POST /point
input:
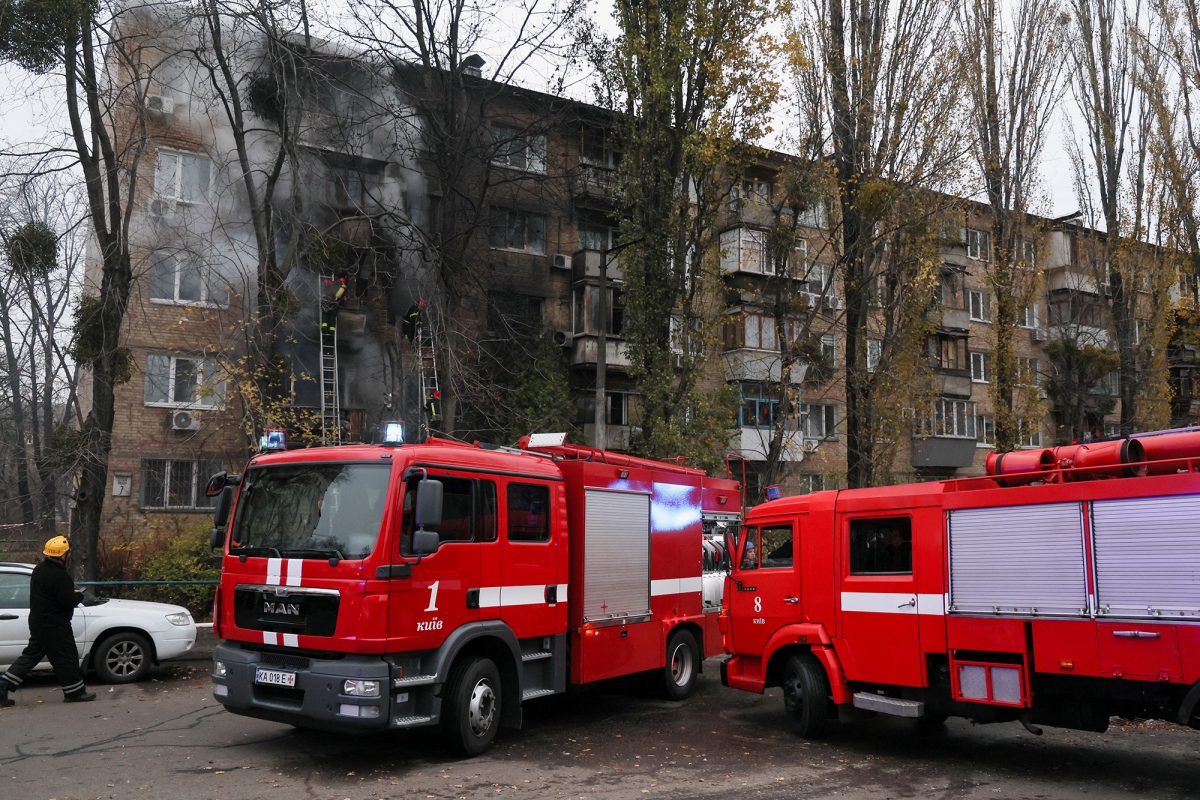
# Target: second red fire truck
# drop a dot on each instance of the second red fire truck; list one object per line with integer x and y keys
{"x": 1062, "y": 589}
{"x": 366, "y": 588}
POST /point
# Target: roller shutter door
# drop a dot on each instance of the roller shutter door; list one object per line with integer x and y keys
{"x": 1147, "y": 557}
{"x": 1018, "y": 560}
{"x": 616, "y": 567}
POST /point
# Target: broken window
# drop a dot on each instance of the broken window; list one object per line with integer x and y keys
{"x": 518, "y": 149}
{"x": 517, "y": 230}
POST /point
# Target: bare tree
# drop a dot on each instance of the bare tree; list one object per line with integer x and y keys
{"x": 1012, "y": 66}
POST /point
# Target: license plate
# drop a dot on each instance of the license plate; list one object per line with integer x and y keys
{"x": 274, "y": 677}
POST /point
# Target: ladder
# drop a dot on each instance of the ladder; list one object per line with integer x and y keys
{"x": 331, "y": 413}
{"x": 431, "y": 395}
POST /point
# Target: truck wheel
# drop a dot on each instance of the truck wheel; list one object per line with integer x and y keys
{"x": 805, "y": 695}
{"x": 471, "y": 705}
{"x": 123, "y": 657}
{"x": 683, "y": 665}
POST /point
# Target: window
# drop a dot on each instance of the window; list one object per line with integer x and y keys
{"x": 1028, "y": 372}
{"x": 874, "y": 352}
{"x": 745, "y": 250}
{"x": 829, "y": 350}
{"x": 980, "y": 305}
{"x": 617, "y": 412}
{"x": 985, "y": 430}
{"x": 516, "y": 315}
{"x": 1029, "y": 433}
{"x": 468, "y": 511}
{"x": 176, "y": 484}
{"x": 183, "y": 279}
{"x": 818, "y": 421}
{"x": 181, "y": 382}
{"x": 881, "y": 546}
{"x": 1066, "y": 309}
{"x": 760, "y": 332}
{"x": 759, "y": 404}
{"x": 14, "y": 590}
{"x": 950, "y": 419}
{"x": 980, "y": 368}
{"x": 756, "y": 190}
{"x": 1027, "y": 317}
{"x": 594, "y": 236}
{"x": 978, "y": 244}
{"x": 687, "y": 337}
{"x": 519, "y": 150}
{"x": 814, "y": 216}
{"x": 528, "y": 513}
{"x": 775, "y": 547}
{"x": 181, "y": 178}
{"x": 517, "y": 230}
{"x": 813, "y": 482}
{"x": 1027, "y": 255}
{"x": 594, "y": 150}
{"x": 948, "y": 352}
{"x": 353, "y": 188}
{"x": 818, "y": 278}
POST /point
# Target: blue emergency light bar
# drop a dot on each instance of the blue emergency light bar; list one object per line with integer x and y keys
{"x": 393, "y": 432}
{"x": 774, "y": 491}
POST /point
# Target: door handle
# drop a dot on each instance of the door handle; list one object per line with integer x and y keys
{"x": 792, "y": 600}
{"x": 472, "y": 598}
{"x": 909, "y": 604}
{"x": 552, "y": 593}
{"x": 8, "y": 616}
{"x": 1122, "y": 634}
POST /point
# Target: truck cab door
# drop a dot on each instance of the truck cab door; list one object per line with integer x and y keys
{"x": 529, "y": 542}
{"x": 765, "y": 584}
{"x": 878, "y": 600}
{"x": 437, "y": 597}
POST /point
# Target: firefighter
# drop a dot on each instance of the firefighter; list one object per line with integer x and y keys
{"x": 412, "y": 320}
{"x": 332, "y": 304}
{"x": 52, "y": 601}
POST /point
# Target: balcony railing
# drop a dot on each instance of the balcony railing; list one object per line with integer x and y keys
{"x": 593, "y": 183}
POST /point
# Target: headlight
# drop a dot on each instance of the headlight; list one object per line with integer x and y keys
{"x": 219, "y": 670}
{"x": 182, "y": 618}
{"x": 361, "y": 688}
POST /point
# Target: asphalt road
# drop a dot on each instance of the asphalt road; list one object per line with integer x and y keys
{"x": 167, "y": 738}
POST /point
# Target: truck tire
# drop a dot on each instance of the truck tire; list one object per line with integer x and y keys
{"x": 805, "y": 695}
{"x": 122, "y": 657}
{"x": 683, "y": 665}
{"x": 471, "y": 705}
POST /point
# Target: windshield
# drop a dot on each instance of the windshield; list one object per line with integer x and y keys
{"x": 311, "y": 511}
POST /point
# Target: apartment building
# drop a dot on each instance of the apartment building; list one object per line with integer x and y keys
{"x": 536, "y": 259}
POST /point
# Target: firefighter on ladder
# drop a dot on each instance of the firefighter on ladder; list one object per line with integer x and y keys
{"x": 332, "y": 304}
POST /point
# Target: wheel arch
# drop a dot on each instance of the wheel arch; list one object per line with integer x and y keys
{"x": 697, "y": 633}
{"x": 495, "y": 641}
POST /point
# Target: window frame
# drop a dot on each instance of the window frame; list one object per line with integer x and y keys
{"x": 178, "y": 156}
{"x": 985, "y": 307}
{"x": 876, "y": 521}
{"x": 509, "y": 510}
{"x": 828, "y": 416}
{"x": 526, "y": 217}
{"x": 980, "y": 367}
{"x": 198, "y": 501}
{"x": 207, "y": 275}
{"x": 506, "y": 138}
{"x": 979, "y": 244}
{"x": 200, "y": 404}
{"x": 410, "y": 485}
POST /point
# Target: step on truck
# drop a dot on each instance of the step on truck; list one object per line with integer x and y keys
{"x": 373, "y": 587}
{"x": 1060, "y": 589}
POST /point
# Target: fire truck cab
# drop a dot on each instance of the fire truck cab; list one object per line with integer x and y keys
{"x": 1061, "y": 590}
{"x": 373, "y": 587}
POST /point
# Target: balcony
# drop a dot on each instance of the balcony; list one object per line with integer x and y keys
{"x": 955, "y": 319}
{"x": 954, "y": 384}
{"x": 584, "y": 350}
{"x": 617, "y": 436}
{"x": 746, "y": 364}
{"x": 593, "y": 183}
{"x": 585, "y": 265}
{"x": 754, "y": 444}
{"x": 941, "y": 452}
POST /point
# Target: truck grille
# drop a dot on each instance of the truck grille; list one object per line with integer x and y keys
{"x": 312, "y": 612}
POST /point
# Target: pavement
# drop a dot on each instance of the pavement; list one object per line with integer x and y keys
{"x": 167, "y": 738}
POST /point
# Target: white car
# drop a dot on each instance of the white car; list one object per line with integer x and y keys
{"x": 119, "y": 639}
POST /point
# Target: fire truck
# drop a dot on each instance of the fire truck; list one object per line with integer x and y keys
{"x": 374, "y": 587}
{"x": 1060, "y": 589}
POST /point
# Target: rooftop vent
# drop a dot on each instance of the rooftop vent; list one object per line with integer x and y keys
{"x": 473, "y": 65}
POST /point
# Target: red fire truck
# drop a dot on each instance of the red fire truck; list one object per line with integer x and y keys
{"x": 1062, "y": 588}
{"x": 373, "y": 587}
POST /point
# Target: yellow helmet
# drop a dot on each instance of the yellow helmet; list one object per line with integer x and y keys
{"x": 57, "y": 547}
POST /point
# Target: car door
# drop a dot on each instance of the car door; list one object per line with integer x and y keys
{"x": 766, "y": 585}
{"x": 14, "y": 614}
{"x": 529, "y": 560}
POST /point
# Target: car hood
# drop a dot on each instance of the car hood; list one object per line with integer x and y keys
{"x": 139, "y": 608}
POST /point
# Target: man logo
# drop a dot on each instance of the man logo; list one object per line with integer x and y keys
{"x": 286, "y": 609}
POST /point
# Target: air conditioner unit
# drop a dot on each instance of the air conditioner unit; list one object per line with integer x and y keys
{"x": 563, "y": 338}
{"x": 1038, "y": 334}
{"x": 561, "y": 261}
{"x": 163, "y": 105}
{"x": 810, "y": 446}
{"x": 185, "y": 421}
{"x": 833, "y": 302}
{"x": 160, "y": 207}
{"x": 677, "y": 359}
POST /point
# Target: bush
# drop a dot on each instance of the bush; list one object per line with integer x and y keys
{"x": 185, "y": 557}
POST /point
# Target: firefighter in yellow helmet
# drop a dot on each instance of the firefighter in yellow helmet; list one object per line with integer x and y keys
{"x": 52, "y": 601}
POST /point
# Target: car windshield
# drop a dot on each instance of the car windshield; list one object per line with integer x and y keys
{"x": 311, "y": 511}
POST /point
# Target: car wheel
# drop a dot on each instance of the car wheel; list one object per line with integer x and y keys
{"x": 471, "y": 706}
{"x": 123, "y": 657}
{"x": 805, "y": 695}
{"x": 683, "y": 665}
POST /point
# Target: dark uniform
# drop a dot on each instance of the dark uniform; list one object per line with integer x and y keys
{"x": 52, "y": 601}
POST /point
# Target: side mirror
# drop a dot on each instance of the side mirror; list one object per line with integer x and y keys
{"x": 429, "y": 504}
{"x": 219, "y": 481}
{"x": 216, "y": 539}
{"x": 425, "y": 542}
{"x": 221, "y": 518}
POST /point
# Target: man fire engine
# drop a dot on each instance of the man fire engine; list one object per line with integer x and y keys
{"x": 1061, "y": 589}
{"x": 372, "y": 587}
